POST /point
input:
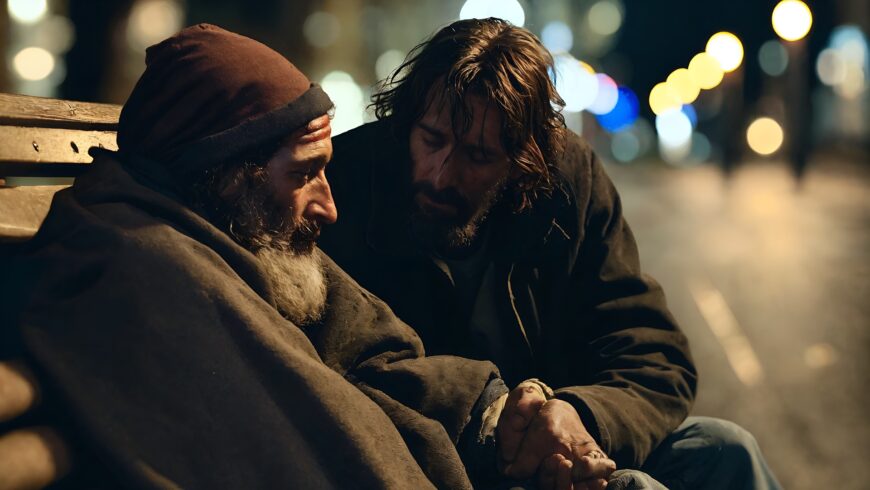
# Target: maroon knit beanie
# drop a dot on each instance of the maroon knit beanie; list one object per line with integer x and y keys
{"x": 208, "y": 95}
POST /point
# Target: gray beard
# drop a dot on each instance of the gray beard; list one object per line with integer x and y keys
{"x": 298, "y": 283}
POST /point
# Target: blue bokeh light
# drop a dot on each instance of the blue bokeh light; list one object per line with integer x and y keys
{"x": 691, "y": 113}
{"x": 624, "y": 113}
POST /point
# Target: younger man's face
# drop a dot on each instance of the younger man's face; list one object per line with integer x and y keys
{"x": 455, "y": 181}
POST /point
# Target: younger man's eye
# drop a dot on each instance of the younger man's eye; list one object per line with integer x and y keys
{"x": 432, "y": 142}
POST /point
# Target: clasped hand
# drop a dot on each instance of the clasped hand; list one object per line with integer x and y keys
{"x": 547, "y": 438}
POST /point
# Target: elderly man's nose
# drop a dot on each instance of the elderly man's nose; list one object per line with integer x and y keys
{"x": 322, "y": 208}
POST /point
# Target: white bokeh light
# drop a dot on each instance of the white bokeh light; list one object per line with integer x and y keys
{"x": 152, "y": 21}
{"x": 33, "y": 63}
{"x": 27, "y": 11}
{"x": 831, "y": 67}
{"x": 557, "y": 37}
{"x": 348, "y": 98}
{"x": 387, "y": 62}
{"x": 509, "y": 10}
{"x": 674, "y": 128}
{"x": 577, "y": 87}
{"x": 606, "y": 96}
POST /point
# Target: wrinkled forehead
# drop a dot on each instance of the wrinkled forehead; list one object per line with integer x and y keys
{"x": 312, "y": 141}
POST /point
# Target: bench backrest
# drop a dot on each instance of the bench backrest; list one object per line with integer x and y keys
{"x": 43, "y": 139}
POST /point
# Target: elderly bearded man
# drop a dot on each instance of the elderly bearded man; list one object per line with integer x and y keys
{"x": 495, "y": 232}
{"x": 178, "y": 311}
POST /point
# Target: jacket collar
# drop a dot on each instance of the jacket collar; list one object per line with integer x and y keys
{"x": 514, "y": 235}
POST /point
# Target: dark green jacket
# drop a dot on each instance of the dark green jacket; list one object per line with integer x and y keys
{"x": 573, "y": 303}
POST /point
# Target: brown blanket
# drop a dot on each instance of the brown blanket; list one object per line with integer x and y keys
{"x": 160, "y": 336}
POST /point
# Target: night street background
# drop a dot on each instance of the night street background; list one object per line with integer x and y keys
{"x": 746, "y": 182}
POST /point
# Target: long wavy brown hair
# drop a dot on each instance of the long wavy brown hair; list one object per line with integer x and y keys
{"x": 506, "y": 65}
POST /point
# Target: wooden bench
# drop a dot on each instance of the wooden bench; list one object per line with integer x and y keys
{"x": 44, "y": 145}
{"x": 45, "y": 142}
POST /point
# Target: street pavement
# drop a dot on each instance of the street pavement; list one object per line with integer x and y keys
{"x": 771, "y": 282}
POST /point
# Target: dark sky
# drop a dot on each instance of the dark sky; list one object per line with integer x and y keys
{"x": 659, "y": 36}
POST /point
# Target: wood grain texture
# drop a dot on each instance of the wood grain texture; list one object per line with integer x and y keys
{"x": 49, "y": 145}
{"x": 25, "y": 110}
{"x": 22, "y": 210}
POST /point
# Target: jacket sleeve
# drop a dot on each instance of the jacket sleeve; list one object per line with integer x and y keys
{"x": 384, "y": 358}
{"x": 633, "y": 378}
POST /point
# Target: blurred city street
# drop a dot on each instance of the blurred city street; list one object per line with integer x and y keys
{"x": 770, "y": 282}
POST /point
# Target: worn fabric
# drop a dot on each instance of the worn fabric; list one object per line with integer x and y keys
{"x": 158, "y": 335}
{"x": 205, "y": 81}
{"x": 574, "y": 307}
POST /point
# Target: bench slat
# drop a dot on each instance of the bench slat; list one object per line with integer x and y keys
{"x": 49, "y": 145}
{"x": 22, "y": 210}
{"x": 25, "y": 110}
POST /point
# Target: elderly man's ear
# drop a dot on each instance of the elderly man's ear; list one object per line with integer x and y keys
{"x": 32, "y": 457}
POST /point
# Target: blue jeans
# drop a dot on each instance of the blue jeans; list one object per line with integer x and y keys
{"x": 703, "y": 453}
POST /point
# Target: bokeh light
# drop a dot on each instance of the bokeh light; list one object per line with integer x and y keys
{"x": 764, "y": 136}
{"x": 348, "y": 98}
{"x": 691, "y": 113}
{"x": 557, "y": 37}
{"x": 607, "y": 95}
{"x": 27, "y": 11}
{"x": 577, "y": 87}
{"x": 701, "y": 149}
{"x": 773, "y": 58}
{"x": 152, "y": 21}
{"x": 727, "y": 49}
{"x": 663, "y": 98}
{"x": 321, "y": 29}
{"x": 509, "y": 10}
{"x": 831, "y": 67}
{"x": 684, "y": 85}
{"x": 56, "y": 34}
{"x": 33, "y": 63}
{"x": 845, "y": 64}
{"x": 387, "y": 62}
{"x": 791, "y": 19}
{"x": 674, "y": 128}
{"x": 625, "y": 146}
{"x": 624, "y": 113}
{"x": 605, "y": 18}
{"x": 706, "y": 71}
{"x": 675, "y": 154}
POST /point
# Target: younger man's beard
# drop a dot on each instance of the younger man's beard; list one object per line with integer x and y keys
{"x": 283, "y": 246}
{"x": 444, "y": 236}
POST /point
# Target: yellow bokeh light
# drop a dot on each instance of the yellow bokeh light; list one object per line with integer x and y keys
{"x": 764, "y": 136}
{"x": 684, "y": 85}
{"x": 792, "y": 19}
{"x": 706, "y": 71}
{"x": 663, "y": 98}
{"x": 727, "y": 49}
{"x": 33, "y": 63}
{"x": 587, "y": 67}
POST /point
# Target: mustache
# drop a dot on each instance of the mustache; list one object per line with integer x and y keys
{"x": 449, "y": 196}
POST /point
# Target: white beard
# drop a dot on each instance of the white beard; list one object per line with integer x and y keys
{"x": 298, "y": 283}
